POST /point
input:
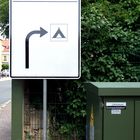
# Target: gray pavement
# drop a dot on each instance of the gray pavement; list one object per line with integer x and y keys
{"x": 5, "y": 90}
{"x": 5, "y": 108}
{"x": 5, "y": 122}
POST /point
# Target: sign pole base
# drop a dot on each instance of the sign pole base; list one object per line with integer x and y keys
{"x": 45, "y": 109}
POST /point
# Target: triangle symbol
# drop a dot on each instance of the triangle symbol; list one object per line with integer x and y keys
{"x": 59, "y": 34}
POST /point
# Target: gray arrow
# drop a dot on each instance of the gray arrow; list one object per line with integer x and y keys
{"x": 41, "y": 32}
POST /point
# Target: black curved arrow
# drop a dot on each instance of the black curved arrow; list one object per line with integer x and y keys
{"x": 41, "y": 32}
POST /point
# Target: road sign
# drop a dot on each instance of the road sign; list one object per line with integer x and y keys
{"x": 45, "y": 38}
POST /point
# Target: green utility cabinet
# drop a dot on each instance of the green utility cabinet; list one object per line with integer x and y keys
{"x": 113, "y": 110}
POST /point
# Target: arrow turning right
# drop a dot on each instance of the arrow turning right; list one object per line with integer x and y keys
{"x": 42, "y": 32}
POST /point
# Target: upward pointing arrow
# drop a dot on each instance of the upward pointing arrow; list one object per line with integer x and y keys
{"x": 42, "y": 32}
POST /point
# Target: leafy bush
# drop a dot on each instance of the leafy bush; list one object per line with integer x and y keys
{"x": 5, "y": 66}
{"x": 109, "y": 35}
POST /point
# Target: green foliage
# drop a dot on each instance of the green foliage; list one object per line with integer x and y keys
{"x": 67, "y": 129}
{"x": 28, "y": 136}
{"x": 109, "y": 35}
{"x": 71, "y": 131}
{"x": 5, "y": 66}
{"x": 4, "y": 17}
{"x": 106, "y": 43}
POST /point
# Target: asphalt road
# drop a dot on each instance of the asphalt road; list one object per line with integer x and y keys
{"x": 5, "y": 91}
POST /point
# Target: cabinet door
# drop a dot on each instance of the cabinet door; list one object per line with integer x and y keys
{"x": 118, "y": 123}
{"x": 137, "y": 120}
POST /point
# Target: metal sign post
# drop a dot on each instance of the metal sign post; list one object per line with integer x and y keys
{"x": 45, "y": 109}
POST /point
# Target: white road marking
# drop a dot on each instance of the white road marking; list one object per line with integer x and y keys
{"x": 4, "y": 104}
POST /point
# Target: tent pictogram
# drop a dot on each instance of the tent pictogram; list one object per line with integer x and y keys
{"x": 58, "y": 34}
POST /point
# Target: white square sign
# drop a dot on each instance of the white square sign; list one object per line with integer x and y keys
{"x": 45, "y": 39}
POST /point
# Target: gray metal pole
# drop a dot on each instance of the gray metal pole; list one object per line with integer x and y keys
{"x": 44, "y": 109}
